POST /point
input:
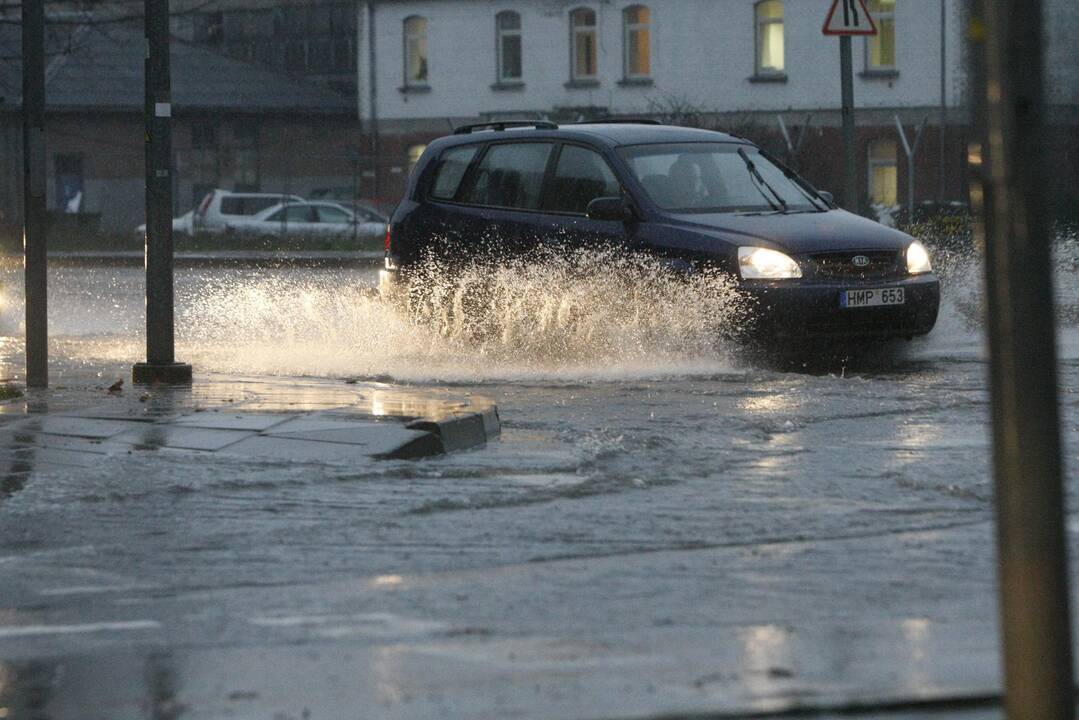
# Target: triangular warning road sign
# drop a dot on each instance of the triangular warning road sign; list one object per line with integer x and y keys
{"x": 852, "y": 18}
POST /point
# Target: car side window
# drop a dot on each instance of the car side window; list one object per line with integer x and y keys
{"x": 451, "y": 170}
{"x": 580, "y": 177}
{"x": 510, "y": 176}
{"x": 292, "y": 213}
{"x": 330, "y": 214}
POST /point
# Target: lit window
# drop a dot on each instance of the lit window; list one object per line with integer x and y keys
{"x": 883, "y": 173}
{"x": 415, "y": 51}
{"x": 769, "y": 16}
{"x": 415, "y": 152}
{"x": 637, "y": 21}
{"x": 880, "y": 48}
{"x": 508, "y": 27}
{"x": 585, "y": 58}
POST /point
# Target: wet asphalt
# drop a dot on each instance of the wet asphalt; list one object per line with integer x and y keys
{"x": 663, "y": 527}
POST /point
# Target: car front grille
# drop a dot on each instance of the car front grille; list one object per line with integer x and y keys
{"x": 841, "y": 265}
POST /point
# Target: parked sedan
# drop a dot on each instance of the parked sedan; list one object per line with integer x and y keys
{"x": 311, "y": 220}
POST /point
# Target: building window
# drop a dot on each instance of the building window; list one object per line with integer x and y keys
{"x": 769, "y": 19}
{"x": 880, "y": 48}
{"x": 637, "y": 40}
{"x": 415, "y": 51}
{"x": 883, "y": 173}
{"x": 69, "y": 184}
{"x": 508, "y": 27}
{"x": 415, "y": 152}
{"x": 583, "y": 42}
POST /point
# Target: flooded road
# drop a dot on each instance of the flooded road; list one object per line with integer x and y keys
{"x": 813, "y": 535}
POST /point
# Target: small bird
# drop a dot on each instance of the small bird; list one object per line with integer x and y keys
{"x": 116, "y": 386}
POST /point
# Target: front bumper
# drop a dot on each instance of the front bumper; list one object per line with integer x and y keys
{"x": 811, "y": 310}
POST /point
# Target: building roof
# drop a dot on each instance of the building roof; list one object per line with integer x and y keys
{"x": 100, "y": 67}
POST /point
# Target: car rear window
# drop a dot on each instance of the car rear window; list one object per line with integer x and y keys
{"x": 580, "y": 177}
{"x": 246, "y": 205}
{"x": 451, "y": 170}
{"x": 510, "y": 175}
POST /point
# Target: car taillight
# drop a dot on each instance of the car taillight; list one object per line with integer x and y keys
{"x": 389, "y": 236}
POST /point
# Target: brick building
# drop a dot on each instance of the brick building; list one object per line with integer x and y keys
{"x": 237, "y": 125}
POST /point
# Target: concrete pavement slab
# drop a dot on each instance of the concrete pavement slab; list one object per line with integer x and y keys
{"x": 227, "y": 420}
{"x": 361, "y": 451}
{"x": 181, "y": 437}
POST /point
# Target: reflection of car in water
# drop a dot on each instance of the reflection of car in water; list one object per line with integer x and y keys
{"x": 694, "y": 198}
{"x": 312, "y": 220}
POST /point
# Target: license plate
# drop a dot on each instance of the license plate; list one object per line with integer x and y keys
{"x": 871, "y": 297}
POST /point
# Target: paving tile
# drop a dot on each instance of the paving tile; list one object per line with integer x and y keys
{"x": 233, "y": 420}
{"x": 37, "y": 458}
{"x": 57, "y": 442}
{"x": 176, "y": 436}
{"x": 138, "y": 412}
{"x": 315, "y": 422}
{"x": 381, "y": 436}
{"x": 83, "y": 427}
{"x": 306, "y": 450}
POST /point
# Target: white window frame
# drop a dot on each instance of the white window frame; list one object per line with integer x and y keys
{"x": 576, "y": 32}
{"x": 877, "y": 18}
{"x": 500, "y": 36}
{"x": 760, "y": 24}
{"x": 628, "y": 28}
{"x": 411, "y": 36}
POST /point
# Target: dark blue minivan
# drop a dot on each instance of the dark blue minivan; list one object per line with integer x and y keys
{"x": 694, "y": 198}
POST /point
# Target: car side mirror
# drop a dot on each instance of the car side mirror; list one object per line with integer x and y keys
{"x": 828, "y": 197}
{"x": 616, "y": 209}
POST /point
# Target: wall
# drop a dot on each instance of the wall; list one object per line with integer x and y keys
{"x": 703, "y": 51}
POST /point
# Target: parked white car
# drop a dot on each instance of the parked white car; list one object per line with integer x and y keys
{"x": 312, "y": 220}
{"x": 220, "y": 207}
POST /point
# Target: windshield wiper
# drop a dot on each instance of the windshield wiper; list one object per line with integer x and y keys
{"x": 798, "y": 183}
{"x": 755, "y": 174}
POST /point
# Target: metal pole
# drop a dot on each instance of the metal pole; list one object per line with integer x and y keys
{"x": 850, "y": 168}
{"x": 943, "y": 97}
{"x": 372, "y": 89}
{"x": 160, "y": 365}
{"x": 35, "y": 260}
{"x": 911, "y": 151}
{"x": 1012, "y": 213}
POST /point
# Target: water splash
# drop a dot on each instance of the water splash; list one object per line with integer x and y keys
{"x": 541, "y": 319}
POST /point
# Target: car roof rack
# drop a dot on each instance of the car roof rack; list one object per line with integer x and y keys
{"x": 501, "y": 125}
{"x": 620, "y": 121}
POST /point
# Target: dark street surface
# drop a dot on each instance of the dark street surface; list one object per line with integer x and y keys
{"x": 663, "y": 527}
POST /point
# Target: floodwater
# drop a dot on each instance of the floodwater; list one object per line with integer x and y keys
{"x": 653, "y": 493}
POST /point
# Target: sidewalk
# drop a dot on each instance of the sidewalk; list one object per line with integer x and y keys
{"x": 282, "y": 419}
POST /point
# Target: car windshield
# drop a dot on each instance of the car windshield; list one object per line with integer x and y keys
{"x": 714, "y": 177}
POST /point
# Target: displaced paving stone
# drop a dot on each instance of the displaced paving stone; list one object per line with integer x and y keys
{"x": 297, "y": 450}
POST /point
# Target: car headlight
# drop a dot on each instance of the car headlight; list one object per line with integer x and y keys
{"x": 918, "y": 259}
{"x": 764, "y": 264}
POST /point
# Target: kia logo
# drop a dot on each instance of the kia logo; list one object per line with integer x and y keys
{"x": 860, "y": 260}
